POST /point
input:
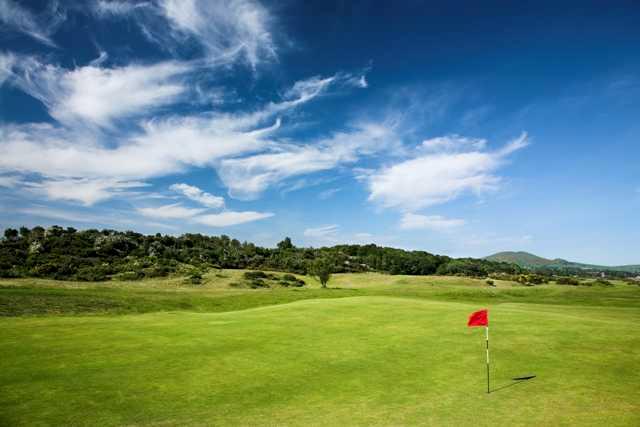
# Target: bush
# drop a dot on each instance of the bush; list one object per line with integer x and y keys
{"x": 91, "y": 274}
{"x": 156, "y": 271}
{"x": 291, "y": 280}
{"x": 195, "y": 278}
{"x": 252, "y": 275}
{"x": 258, "y": 283}
{"x": 129, "y": 275}
{"x": 531, "y": 279}
{"x": 567, "y": 281}
{"x": 490, "y": 283}
{"x": 602, "y": 282}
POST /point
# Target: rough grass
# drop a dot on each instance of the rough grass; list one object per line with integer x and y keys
{"x": 47, "y": 297}
{"x": 380, "y": 350}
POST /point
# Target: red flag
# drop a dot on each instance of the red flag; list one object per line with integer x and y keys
{"x": 479, "y": 318}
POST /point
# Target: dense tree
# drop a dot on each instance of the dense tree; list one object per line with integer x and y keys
{"x": 61, "y": 253}
{"x": 285, "y": 244}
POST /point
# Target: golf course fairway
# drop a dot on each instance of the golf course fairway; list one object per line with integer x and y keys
{"x": 364, "y": 360}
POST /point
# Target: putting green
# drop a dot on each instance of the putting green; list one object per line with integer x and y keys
{"x": 351, "y": 361}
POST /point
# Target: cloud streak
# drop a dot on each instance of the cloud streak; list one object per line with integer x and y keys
{"x": 97, "y": 95}
{"x": 247, "y": 177}
{"x": 454, "y": 166}
{"x": 412, "y": 221}
{"x": 17, "y": 18}
{"x": 198, "y": 196}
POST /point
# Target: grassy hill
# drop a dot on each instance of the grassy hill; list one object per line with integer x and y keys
{"x": 528, "y": 260}
{"x": 373, "y": 350}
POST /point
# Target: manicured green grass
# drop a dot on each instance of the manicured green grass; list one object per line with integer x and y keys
{"x": 381, "y": 350}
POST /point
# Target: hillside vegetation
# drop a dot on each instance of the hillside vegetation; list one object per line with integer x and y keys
{"x": 531, "y": 261}
{"x": 98, "y": 255}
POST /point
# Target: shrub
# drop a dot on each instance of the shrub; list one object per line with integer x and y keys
{"x": 291, "y": 280}
{"x": 258, "y": 283}
{"x": 91, "y": 274}
{"x": 156, "y": 271}
{"x": 602, "y": 282}
{"x": 129, "y": 275}
{"x": 567, "y": 281}
{"x": 251, "y": 275}
{"x": 490, "y": 283}
{"x": 195, "y": 278}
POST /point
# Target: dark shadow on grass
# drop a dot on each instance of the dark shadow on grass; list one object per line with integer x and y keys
{"x": 517, "y": 380}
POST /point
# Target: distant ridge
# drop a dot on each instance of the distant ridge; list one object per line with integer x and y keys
{"x": 528, "y": 260}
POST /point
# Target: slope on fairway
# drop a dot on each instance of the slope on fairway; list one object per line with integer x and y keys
{"x": 349, "y": 361}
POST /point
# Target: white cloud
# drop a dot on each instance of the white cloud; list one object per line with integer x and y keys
{"x": 10, "y": 181}
{"x": 453, "y": 143}
{"x": 248, "y": 177}
{"x": 7, "y": 60}
{"x": 412, "y": 221}
{"x": 70, "y": 216}
{"x": 121, "y": 219}
{"x": 197, "y": 215}
{"x": 173, "y": 211}
{"x": 226, "y": 29}
{"x": 15, "y": 17}
{"x": 228, "y": 218}
{"x": 327, "y": 232}
{"x": 72, "y": 152}
{"x": 326, "y": 194}
{"x": 86, "y": 191}
{"x": 98, "y": 95}
{"x": 106, "y": 8}
{"x": 440, "y": 176}
{"x": 197, "y": 195}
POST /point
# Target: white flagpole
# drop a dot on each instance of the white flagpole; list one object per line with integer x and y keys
{"x": 487, "y": 335}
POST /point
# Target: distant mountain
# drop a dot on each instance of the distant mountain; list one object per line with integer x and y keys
{"x": 527, "y": 260}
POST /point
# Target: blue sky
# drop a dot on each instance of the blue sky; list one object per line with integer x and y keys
{"x": 460, "y": 128}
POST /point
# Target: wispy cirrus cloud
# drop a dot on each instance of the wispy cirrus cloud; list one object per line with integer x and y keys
{"x": 83, "y": 190}
{"x": 227, "y": 31}
{"x": 98, "y": 95}
{"x": 172, "y": 211}
{"x": 176, "y": 211}
{"x": 10, "y": 181}
{"x": 106, "y": 8}
{"x": 327, "y": 194}
{"x": 7, "y": 60}
{"x": 197, "y": 195}
{"x": 411, "y": 221}
{"x": 322, "y": 232}
{"x": 14, "y": 16}
{"x": 454, "y": 166}
{"x": 69, "y": 152}
{"x": 230, "y": 28}
{"x": 229, "y": 218}
{"x": 248, "y": 177}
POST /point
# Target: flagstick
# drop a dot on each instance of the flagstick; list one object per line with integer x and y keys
{"x": 487, "y": 334}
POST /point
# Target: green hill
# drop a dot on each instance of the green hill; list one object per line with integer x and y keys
{"x": 523, "y": 259}
{"x": 528, "y": 260}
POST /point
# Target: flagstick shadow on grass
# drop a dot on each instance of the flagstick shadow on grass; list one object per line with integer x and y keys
{"x": 517, "y": 380}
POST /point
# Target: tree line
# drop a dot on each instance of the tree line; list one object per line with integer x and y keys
{"x": 95, "y": 255}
